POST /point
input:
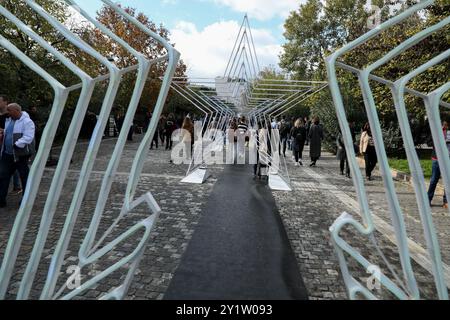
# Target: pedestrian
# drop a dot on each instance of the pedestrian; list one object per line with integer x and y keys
{"x": 155, "y": 140}
{"x": 233, "y": 124}
{"x": 285, "y": 130}
{"x": 342, "y": 155}
{"x": 274, "y": 123}
{"x": 130, "y": 132}
{"x": 187, "y": 137}
{"x": 367, "y": 148}
{"x": 242, "y": 126}
{"x": 4, "y": 101}
{"x": 315, "y": 140}
{"x": 242, "y": 131}
{"x": 147, "y": 120}
{"x": 262, "y": 150}
{"x": 169, "y": 128}
{"x": 308, "y": 127}
{"x": 436, "y": 171}
{"x": 353, "y": 130}
{"x": 298, "y": 134}
{"x": 162, "y": 122}
{"x": 119, "y": 118}
{"x": 17, "y": 148}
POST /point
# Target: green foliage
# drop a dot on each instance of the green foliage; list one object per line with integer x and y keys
{"x": 402, "y": 165}
{"x": 318, "y": 28}
{"x": 16, "y": 79}
{"x": 27, "y": 88}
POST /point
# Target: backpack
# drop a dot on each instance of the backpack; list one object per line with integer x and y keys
{"x": 284, "y": 130}
{"x": 299, "y": 138}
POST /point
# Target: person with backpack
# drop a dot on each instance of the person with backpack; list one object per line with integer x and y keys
{"x": 298, "y": 134}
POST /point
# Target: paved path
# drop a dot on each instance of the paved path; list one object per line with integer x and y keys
{"x": 319, "y": 196}
{"x": 181, "y": 206}
{"x": 240, "y": 249}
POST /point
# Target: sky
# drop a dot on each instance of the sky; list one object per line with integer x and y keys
{"x": 204, "y": 31}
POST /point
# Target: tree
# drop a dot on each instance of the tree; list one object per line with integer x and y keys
{"x": 17, "y": 80}
{"x": 27, "y": 88}
{"x": 122, "y": 58}
{"x": 317, "y": 29}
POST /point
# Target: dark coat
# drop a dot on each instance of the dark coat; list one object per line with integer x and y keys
{"x": 299, "y": 137}
{"x": 341, "y": 153}
{"x": 285, "y": 130}
{"x": 315, "y": 138}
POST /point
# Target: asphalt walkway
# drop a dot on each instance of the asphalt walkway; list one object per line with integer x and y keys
{"x": 240, "y": 249}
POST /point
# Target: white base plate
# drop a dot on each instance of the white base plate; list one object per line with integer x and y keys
{"x": 278, "y": 183}
{"x": 198, "y": 176}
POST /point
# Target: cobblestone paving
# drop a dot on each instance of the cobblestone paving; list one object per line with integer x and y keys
{"x": 181, "y": 209}
{"x": 320, "y": 195}
{"x": 313, "y": 206}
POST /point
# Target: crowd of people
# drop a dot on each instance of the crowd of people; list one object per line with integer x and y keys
{"x": 19, "y": 139}
{"x": 297, "y": 133}
{"x": 166, "y": 126}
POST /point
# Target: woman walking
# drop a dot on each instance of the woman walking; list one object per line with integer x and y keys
{"x": 188, "y": 137}
{"x": 342, "y": 155}
{"x": 367, "y": 148}
{"x": 298, "y": 134}
{"x": 315, "y": 141}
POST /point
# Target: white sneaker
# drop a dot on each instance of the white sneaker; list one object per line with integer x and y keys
{"x": 297, "y": 164}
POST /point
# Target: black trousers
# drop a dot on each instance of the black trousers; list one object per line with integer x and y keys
{"x": 298, "y": 151}
{"x": 370, "y": 157}
{"x": 130, "y": 134}
{"x": 344, "y": 164}
{"x": 298, "y": 154}
{"x": 155, "y": 141}
{"x": 7, "y": 168}
{"x": 284, "y": 145}
{"x": 169, "y": 142}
